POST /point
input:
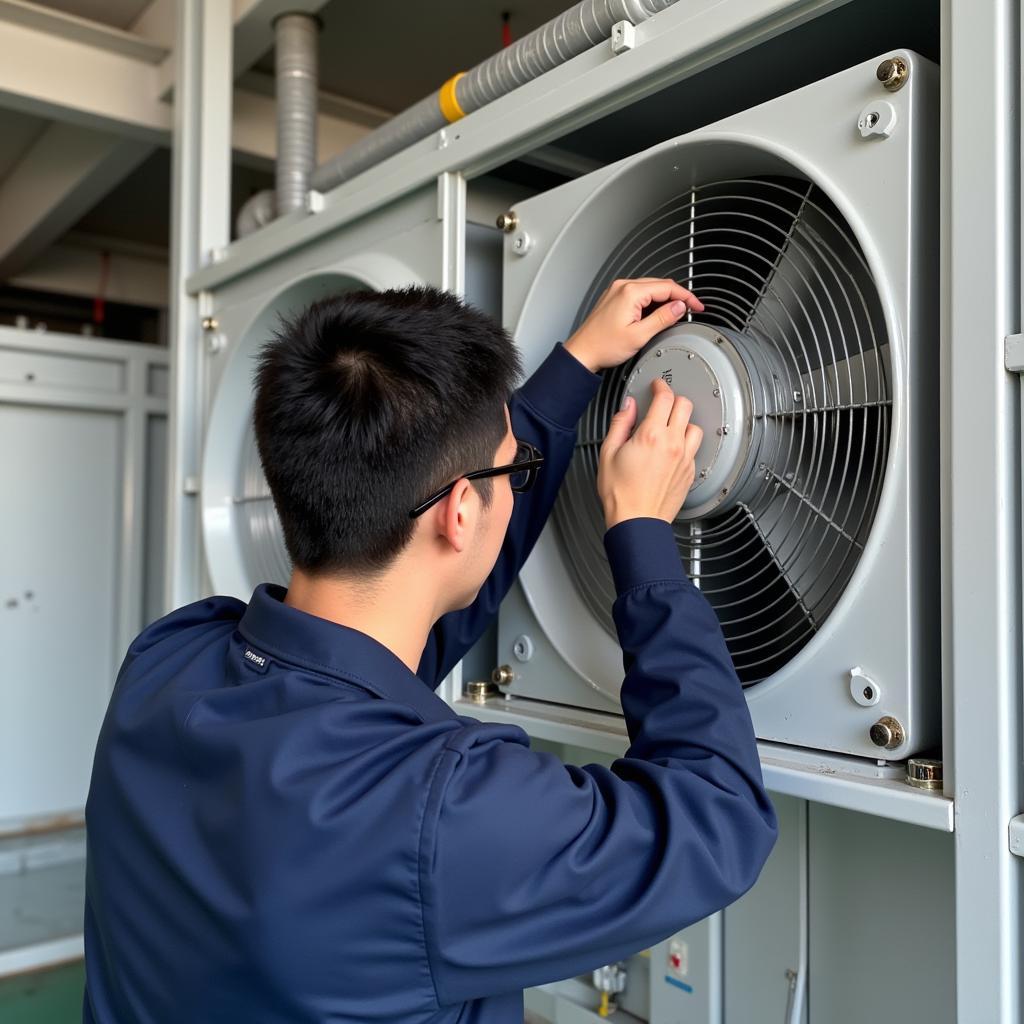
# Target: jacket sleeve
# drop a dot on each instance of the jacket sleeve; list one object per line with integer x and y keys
{"x": 544, "y": 411}
{"x": 532, "y": 870}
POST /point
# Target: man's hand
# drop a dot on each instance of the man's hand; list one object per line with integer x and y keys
{"x": 617, "y": 329}
{"x": 650, "y": 473}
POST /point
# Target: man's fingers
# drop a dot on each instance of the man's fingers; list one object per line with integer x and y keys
{"x": 691, "y": 441}
{"x": 660, "y": 319}
{"x": 663, "y": 289}
{"x": 682, "y": 410}
{"x": 619, "y": 429}
{"x": 661, "y": 404}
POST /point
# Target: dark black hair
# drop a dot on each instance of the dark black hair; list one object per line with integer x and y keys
{"x": 366, "y": 403}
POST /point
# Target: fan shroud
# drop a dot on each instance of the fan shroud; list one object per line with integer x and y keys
{"x": 789, "y": 296}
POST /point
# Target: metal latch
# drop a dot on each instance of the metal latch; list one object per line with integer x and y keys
{"x": 1013, "y": 353}
{"x": 1017, "y": 836}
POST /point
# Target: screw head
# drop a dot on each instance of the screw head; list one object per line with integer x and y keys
{"x": 657, "y": 354}
{"x": 893, "y": 73}
{"x": 703, "y": 474}
{"x": 717, "y": 392}
{"x": 689, "y": 355}
{"x": 210, "y": 323}
{"x": 887, "y": 733}
{"x": 507, "y": 222}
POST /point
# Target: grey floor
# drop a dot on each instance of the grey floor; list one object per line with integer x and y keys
{"x": 42, "y": 887}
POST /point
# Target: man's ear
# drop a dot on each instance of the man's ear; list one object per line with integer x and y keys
{"x": 456, "y": 515}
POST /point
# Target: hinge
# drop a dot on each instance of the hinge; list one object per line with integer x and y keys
{"x": 1013, "y": 353}
{"x": 1017, "y": 835}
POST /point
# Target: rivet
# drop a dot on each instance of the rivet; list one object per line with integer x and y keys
{"x": 717, "y": 392}
{"x": 658, "y": 353}
{"x": 689, "y": 355}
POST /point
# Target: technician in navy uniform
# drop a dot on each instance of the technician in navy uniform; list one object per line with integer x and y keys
{"x": 287, "y": 824}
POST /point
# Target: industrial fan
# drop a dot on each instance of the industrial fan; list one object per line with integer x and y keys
{"x": 804, "y": 225}
{"x": 788, "y": 371}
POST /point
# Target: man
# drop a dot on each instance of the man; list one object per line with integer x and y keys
{"x": 286, "y": 824}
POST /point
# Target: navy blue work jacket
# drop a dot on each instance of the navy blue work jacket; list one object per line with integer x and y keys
{"x": 285, "y": 824}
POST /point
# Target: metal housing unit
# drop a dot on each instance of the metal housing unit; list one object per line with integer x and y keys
{"x": 882, "y": 632}
{"x": 241, "y": 535}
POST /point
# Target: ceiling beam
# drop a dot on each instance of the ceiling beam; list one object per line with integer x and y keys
{"x": 94, "y": 33}
{"x": 79, "y": 80}
{"x": 62, "y": 176}
{"x": 105, "y": 90}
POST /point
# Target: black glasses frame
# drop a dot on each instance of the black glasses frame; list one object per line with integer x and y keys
{"x": 528, "y": 460}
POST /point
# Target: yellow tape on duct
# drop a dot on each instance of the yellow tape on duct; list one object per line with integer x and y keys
{"x": 448, "y": 101}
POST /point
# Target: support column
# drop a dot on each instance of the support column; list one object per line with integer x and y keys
{"x": 201, "y": 210}
{"x": 981, "y": 467}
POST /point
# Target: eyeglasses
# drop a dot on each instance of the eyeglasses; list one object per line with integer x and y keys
{"x": 522, "y": 474}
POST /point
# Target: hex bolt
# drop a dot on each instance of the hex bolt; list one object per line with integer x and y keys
{"x": 503, "y": 675}
{"x": 888, "y": 733}
{"x": 507, "y": 222}
{"x": 479, "y": 691}
{"x": 893, "y": 73}
{"x": 924, "y": 773}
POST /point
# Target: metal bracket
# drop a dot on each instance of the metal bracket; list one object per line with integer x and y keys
{"x": 1013, "y": 353}
{"x": 623, "y": 36}
{"x": 1017, "y": 836}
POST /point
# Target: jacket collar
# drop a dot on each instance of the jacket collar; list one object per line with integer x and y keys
{"x": 329, "y": 648}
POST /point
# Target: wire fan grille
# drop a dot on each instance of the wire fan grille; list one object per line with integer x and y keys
{"x": 259, "y": 529}
{"x": 773, "y": 261}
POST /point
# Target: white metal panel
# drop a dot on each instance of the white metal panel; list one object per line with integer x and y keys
{"x": 59, "y": 605}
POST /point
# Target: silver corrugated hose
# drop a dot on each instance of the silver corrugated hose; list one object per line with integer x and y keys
{"x": 576, "y": 30}
{"x": 296, "y": 74}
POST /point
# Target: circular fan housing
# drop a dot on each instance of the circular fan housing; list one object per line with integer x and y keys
{"x": 241, "y": 531}
{"x": 789, "y": 369}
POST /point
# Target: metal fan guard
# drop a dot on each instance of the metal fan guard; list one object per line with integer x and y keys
{"x": 783, "y": 280}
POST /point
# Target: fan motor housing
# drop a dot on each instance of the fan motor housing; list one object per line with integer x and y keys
{"x": 810, "y": 373}
{"x": 730, "y": 385}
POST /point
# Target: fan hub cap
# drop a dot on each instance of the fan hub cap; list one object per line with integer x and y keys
{"x": 706, "y": 366}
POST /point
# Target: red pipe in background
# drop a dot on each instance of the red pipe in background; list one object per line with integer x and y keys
{"x": 506, "y": 28}
{"x": 99, "y": 304}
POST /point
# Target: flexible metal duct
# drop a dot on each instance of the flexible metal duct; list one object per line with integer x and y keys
{"x": 296, "y": 75}
{"x": 576, "y": 30}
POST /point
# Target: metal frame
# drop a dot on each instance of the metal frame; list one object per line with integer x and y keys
{"x": 200, "y": 226}
{"x": 980, "y": 286}
{"x": 980, "y": 447}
